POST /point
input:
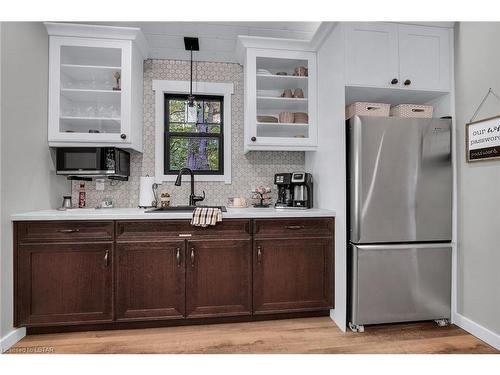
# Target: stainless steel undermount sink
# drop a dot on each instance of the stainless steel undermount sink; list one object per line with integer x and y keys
{"x": 181, "y": 209}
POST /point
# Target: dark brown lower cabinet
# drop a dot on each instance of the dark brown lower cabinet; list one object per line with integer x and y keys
{"x": 150, "y": 280}
{"x": 119, "y": 273}
{"x": 64, "y": 283}
{"x": 292, "y": 275}
{"x": 219, "y": 277}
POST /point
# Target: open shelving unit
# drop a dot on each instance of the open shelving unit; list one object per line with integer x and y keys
{"x": 95, "y": 86}
{"x": 270, "y": 100}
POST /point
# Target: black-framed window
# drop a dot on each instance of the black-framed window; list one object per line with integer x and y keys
{"x": 194, "y": 136}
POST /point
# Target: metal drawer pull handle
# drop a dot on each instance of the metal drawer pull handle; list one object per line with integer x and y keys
{"x": 185, "y": 234}
{"x": 178, "y": 256}
{"x": 192, "y": 257}
{"x": 68, "y": 230}
{"x": 259, "y": 254}
{"x": 106, "y": 257}
{"x": 295, "y": 227}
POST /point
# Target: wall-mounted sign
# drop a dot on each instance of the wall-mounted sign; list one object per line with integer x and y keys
{"x": 483, "y": 139}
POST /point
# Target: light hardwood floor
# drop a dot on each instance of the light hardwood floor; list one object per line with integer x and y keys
{"x": 307, "y": 335}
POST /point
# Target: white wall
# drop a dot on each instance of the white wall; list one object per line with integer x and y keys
{"x": 327, "y": 164}
{"x": 477, "y": 68}
{"x": 28, "y": 180}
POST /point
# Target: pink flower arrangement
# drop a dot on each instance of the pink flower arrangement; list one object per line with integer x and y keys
{"x": 261, "y": 193}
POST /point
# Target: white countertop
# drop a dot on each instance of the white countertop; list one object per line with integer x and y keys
{"x": 138, "y": 214}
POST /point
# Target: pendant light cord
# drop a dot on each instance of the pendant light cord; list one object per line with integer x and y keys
{"x": 191, "y": 82}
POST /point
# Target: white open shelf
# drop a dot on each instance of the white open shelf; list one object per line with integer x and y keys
{"x": 285, "y": 104}
{"x": 267, "y": 129}
{"x": 275, "y": 82}
{"x": 390, "y": 95}
{"x": 96, "y": 56}
{"x": 84, "y": 124}
{"x": 94, "y": 96}
{"x": 78, "y": 67}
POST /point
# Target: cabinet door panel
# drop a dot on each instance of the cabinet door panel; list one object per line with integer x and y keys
{"x": 424, "y": 54}
{"x": 293, "y": 275}
{"x": 64, "y": 283}
{"x": 150, "y": 280}
{"x": 371, "y": 54}
{"x": 218, "y": 277}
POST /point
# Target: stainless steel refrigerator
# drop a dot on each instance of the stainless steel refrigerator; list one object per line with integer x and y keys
{"x": 399, "y": 219}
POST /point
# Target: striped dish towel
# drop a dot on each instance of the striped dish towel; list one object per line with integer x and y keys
{"x": 205, "y": 216}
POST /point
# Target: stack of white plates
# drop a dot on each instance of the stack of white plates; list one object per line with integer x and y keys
{"x": 263, "y": 71}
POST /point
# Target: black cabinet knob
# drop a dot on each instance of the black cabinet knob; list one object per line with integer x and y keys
{"x": 394, "y": 81}
{"x": 253, "y": 139}
{"x": 407, "y": 82}
{"x": 123, "y": 136}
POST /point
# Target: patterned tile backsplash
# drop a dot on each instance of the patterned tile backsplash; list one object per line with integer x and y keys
{"x": 248, "y": 170}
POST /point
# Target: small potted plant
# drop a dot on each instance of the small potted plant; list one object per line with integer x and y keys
{"x": 262, "y": 197}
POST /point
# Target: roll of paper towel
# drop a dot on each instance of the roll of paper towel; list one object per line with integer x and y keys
{"x": 146, "y": 196}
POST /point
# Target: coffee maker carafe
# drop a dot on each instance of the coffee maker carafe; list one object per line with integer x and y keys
{"x": 295, "y": 190}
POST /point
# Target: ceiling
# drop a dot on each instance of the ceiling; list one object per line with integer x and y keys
{"x": 217, "y": 39}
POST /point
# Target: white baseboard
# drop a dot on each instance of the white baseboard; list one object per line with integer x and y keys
{"x": 11, "y": 338}
{"x": 477, "y": 330}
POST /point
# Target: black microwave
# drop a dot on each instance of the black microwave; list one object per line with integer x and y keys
{"x": 93, "y": 162}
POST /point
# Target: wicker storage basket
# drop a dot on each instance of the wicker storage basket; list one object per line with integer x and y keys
{"x": 367, "y": 109}
{"x": 412, "y": 110}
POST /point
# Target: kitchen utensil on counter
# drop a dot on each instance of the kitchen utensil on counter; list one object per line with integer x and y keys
{"x": 295, "y": 190}
{"x": 301, "y": 71}
{"x": 287, "y": 93}
{"x": 106, "y": 203}
{"x": 300, "y": 118}
{"x": 237, "y": 202}
{"x": 164, "y": 200}
{"x": 270, "y": 119}
{"x": 298, "y": 93}
{"x": 147, "y": 192}
{"x": 66, "y": 203}
{"x": 286, "y": 117}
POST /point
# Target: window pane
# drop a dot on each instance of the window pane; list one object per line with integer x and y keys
{"x": 198, "y": 154}
{"x": 212, "y": 112}
{"x": 177, "y": 110}
{"x": 194, "y": 128}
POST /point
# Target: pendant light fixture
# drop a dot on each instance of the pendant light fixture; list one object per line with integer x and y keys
{"x": 191, "y": 44}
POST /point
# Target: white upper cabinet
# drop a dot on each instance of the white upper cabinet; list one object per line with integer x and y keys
{"x": 398, "y": 56}
{"x": 424, "y": 57}
{"x": 371, "y": 54}
{"x": 280, "y": 95}
{"x": 95, "y": 86}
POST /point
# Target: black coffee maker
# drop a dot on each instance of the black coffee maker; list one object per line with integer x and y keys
{"x": 295, "y": 190}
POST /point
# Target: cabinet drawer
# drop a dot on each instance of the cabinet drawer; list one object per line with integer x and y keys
{"x": 51, "y": 231}
{"x": 141, "y": 230}
{"x": 299, "y": 227}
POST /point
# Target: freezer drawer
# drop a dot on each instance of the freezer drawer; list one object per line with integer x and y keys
{"x": 400, "y": 180}
{"x": 397, "y": 283}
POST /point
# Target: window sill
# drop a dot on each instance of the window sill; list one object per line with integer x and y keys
{"x": 204, "y": 178}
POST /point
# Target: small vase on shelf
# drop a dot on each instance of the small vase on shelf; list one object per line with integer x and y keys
{"x": 261, "y": 196}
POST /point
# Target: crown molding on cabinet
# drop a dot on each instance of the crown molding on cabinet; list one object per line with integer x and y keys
{"x": 98, "y": 31}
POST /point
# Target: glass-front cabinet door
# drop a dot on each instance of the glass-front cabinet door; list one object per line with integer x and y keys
{"x": 89, "y": 88}
{"x": 280, "y": 100}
